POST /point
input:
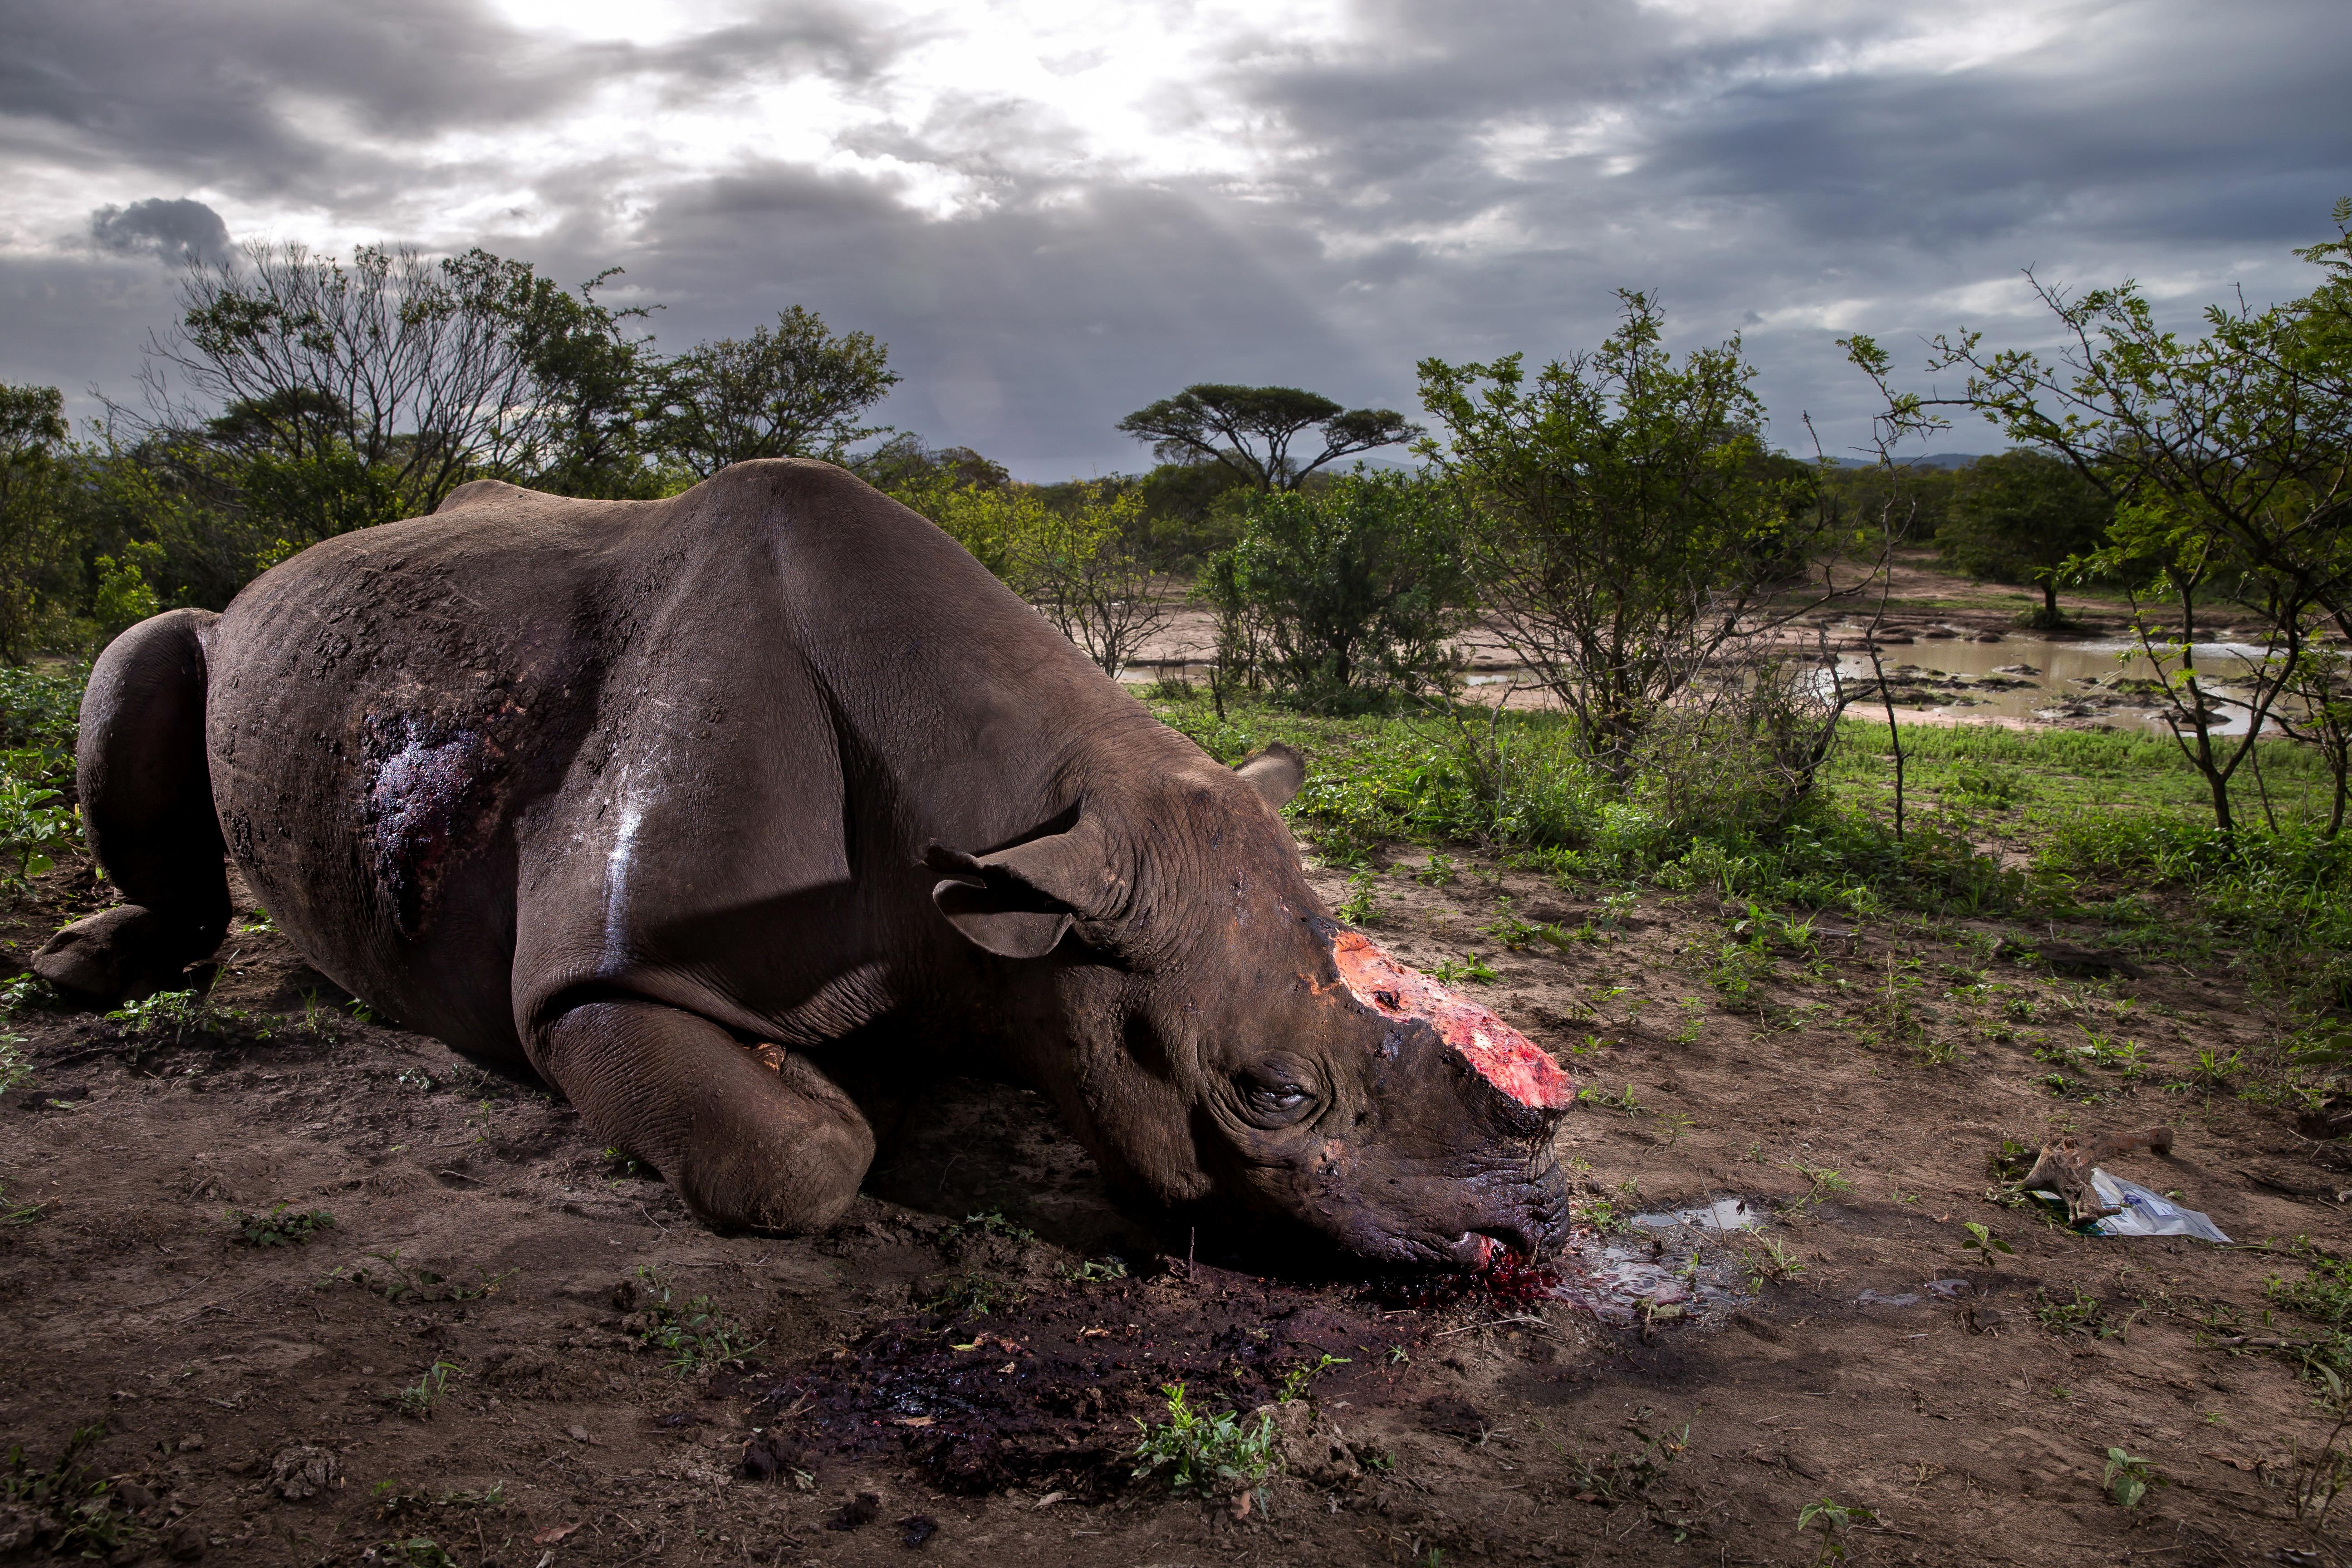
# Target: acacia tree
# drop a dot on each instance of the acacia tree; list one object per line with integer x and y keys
{"x": 2228, "y": 459}
{"x": 1629, "y": 521}
{"x": 1249, "y": 431}
{"x": 793, "y": 391}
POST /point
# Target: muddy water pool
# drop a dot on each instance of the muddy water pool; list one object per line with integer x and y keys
{"x": 2007, "y": 677}
{"x": 2023, "y": 676}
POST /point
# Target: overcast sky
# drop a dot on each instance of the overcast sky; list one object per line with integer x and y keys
{"x": 1054, "y": 212}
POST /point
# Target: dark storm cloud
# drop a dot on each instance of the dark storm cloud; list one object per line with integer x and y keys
{"x": 1457, "y": 181}
{"x": 177, "y": 232}
{"x": 250, "y": 94}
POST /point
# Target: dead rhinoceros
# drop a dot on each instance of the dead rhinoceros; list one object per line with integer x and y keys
{"x": 698, "y": 805}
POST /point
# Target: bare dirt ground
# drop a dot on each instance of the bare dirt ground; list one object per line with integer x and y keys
{"x": 249, "y": 1400}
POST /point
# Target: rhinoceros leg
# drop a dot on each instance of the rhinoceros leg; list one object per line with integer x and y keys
{"x": 761, "y": 1140}
{"x": 147, "y": 807}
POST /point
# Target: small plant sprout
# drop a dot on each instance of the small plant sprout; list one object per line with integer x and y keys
{"x": 1516, "y": 935}
{"x": 1624, "y": 1102}
{"x": 1294, "y": 1382}
{"x": 1361, "y": 906}
{"x": 1771, "y": 1262}
{"x": 1985, "y": 1245}
{"x": 1833, "y": 1520}
{"x": 2128, "y": 1479}
{"x": 1824, "y": 1180}
{"x": 1471, "y": 968}
{"x": 419, "y": 1398}
{"x": 1437, "y": 873}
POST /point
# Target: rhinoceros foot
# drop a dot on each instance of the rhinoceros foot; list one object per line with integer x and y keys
{"x": 121, "y": 955}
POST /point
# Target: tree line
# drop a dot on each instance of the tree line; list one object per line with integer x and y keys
{"x": 296, "y": 397}
{"x": 1616, "y": 518}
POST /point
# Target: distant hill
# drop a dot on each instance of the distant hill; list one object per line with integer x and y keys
{"x": 1932, "y": 460}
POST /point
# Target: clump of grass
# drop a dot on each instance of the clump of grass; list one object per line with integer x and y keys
{"x": 2323, "y": 1294}
{"x": 972, "y": 1295}
{"x": 1188, "y": 1451}
{"x": 24, "y": 1215}
{"x": 693, "y": 1334}
{"x": 2085, "y": 1315}
{"x": 1613, "y": 1477}
{"x": 629, "y": 1166}
{"x": 71, "y": 1503}
{"x": 177, "y": 1018}
{"x": 385, "y": 1274}
{"x": 1472, "y": 968}
{"x": 988, "y": 1222}
{"x": 279, "y": 1228}
{"x": 1771, "y": 1263}
{"x": 1824, "y": 1180}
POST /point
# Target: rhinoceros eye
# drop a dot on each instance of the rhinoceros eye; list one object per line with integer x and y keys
{"x": 1275, "y": 1101}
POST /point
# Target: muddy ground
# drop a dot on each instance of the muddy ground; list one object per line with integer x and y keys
{"x": 249, "y": 1399}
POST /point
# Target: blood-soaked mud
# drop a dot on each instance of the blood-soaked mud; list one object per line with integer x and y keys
{"x": 515, "y": 1349}
{"x": 1048, "y": 1393}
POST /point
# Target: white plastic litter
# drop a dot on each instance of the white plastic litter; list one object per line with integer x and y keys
{"x": 2143, "y": 1213}
{"x": 1724, "y": 1214}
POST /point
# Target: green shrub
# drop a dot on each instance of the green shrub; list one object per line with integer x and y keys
{"x": 1352, "y": 588}
{"x": 1190, "y": 1451}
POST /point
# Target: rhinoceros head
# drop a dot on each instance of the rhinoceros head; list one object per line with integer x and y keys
{"x": 1226, "y": 1046}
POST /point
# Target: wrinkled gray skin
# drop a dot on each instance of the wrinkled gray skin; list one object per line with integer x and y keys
{"x": 704, "y": 806}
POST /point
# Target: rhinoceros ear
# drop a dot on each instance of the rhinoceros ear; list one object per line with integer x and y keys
{"x": 1017, "y": 902}
{"x": 1276, "y": 772}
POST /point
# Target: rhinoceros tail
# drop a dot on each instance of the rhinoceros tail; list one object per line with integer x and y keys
{"x": 147, "y": 810}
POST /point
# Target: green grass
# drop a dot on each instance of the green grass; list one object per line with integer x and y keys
{"x": 2110, "y": 827}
